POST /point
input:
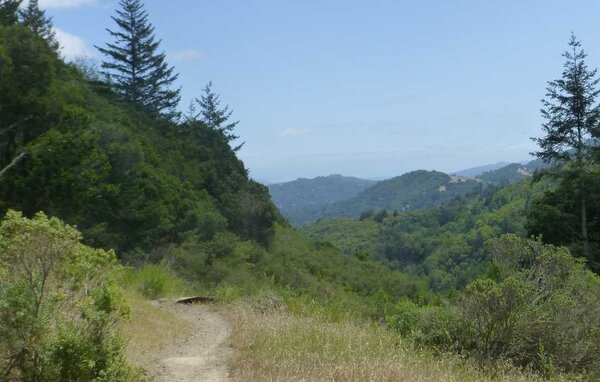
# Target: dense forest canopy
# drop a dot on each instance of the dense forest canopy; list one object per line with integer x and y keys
{"x": 128, "y": 180}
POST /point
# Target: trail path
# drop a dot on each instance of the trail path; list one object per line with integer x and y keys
{"x": 202, "y": 356}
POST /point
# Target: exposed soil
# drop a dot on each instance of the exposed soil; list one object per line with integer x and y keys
{"x": 203, "y": 355}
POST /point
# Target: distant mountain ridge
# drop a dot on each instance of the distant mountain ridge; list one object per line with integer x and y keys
{"x": 411, "y": 191}
{"x": 476, "y": 171}
{"x": 300, "y": 200}
{"x": 514, "y": 172}
{"x": 307, "y": 200}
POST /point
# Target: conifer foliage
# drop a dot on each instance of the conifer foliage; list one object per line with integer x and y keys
{"x": 572, "y": 117}
{"x": 9, "y": 11}
{"x": 570, "y": 111}
{"x": 134, "y": 63}
{"x": 215, "y": 117}
{"x": 36, "y": 20}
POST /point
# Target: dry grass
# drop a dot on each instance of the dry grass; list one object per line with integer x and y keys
{"x": 150, "y": 329}
{"x": 280, "y": 347}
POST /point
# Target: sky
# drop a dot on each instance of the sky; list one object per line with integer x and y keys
{"x": 371, "y": 89}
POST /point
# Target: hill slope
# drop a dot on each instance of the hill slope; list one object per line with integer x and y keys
{"x": 155, "y": 190}
{"x": 410, "y": 191}
{"x": 445, "y": 243}
{"x": 301, "y": 199}
{"x": 514, "y": 172}
{"x": 476, "y": 171}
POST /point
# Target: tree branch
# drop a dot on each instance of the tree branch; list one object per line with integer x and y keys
{"x": 12, "y": 164}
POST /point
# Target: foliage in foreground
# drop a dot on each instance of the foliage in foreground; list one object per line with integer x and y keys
{"x": 538, "y": 308}
{"x": 59, "y": 304}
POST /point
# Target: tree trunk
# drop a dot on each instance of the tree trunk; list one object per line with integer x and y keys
{"x": 13, "y": 163}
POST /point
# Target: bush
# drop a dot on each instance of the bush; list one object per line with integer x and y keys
{"x": 543, "y": 309}
{"x": 539, "y": 308}
{"x": 153, "y": 281}
{"x": 425, "y": 324}
{"x": 58, "y": 305}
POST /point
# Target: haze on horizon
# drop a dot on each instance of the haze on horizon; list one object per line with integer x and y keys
{"x": 368, "y": 89}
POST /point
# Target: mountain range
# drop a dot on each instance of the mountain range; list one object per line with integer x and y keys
{"x": 306, "y": 200}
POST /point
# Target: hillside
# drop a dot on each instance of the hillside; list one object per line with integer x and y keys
{"x": 301, "y": 199}
{"x": 445, "y": 242}
{"x": 153, "y": 189}
{"x": 408, "y": 192}
{"x": 476, "y": 171}
{"x": 514, "y": 172}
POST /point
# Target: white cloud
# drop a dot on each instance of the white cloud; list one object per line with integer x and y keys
{"x": 66, "y": 3}
{"x": 293, "y": 132}
{"x": 72, "y": 46}
{"x": 187, "y": 55}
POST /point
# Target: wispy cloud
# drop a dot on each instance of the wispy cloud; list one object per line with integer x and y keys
{"x": 293, "y": 132}
{"x": 72, "y": 46}
{"x": 187, "y": 55}
{"x": 66, "y": 3}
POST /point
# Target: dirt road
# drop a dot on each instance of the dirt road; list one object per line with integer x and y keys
{"x": 204, "y": 355}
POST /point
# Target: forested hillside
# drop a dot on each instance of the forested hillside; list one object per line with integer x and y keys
{"x": 410, "y": 191}
{"x": 476, "y": 171}
{"x": 445, "y": 243}
{"x": 336, "y": 196}
{"x": 302, "y": 199}
{"x": 514, "y": 172}
{"x": 128, "y": 181}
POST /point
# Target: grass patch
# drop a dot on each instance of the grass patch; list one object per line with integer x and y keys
{"x": 280, "y": 346}
{"x": 154, "y": 281}
{"x": 149, "y": 329}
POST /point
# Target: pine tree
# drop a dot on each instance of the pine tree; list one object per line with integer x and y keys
{"x": 572, "y": 116}
{"x": 36, "y": 20}
{"x": 140, "y": 73}
{"x": 216, "y": 118}
{"x": 9, "y": 11}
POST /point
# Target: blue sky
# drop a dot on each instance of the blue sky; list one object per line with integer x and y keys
{"x": 365, "y": 88}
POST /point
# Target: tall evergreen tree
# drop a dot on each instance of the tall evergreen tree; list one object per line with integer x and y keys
{"x": 215, "y": 117}
{"x": 9, "y": 11}
{"x": 36, "y": 20}
{"x": 139, "y": 71}
{"x": 572, "y": 116}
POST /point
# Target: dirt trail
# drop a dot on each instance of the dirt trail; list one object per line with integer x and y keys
{"x": 201, "y": 356}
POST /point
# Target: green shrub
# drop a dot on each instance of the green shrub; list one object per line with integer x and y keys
{"x": 425, "y": 324}
{"x": 59, "y": 304}
{"x": 154, "y": 281}
{"x": 539, "y": 308}
{"x": 543, "y": 309}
